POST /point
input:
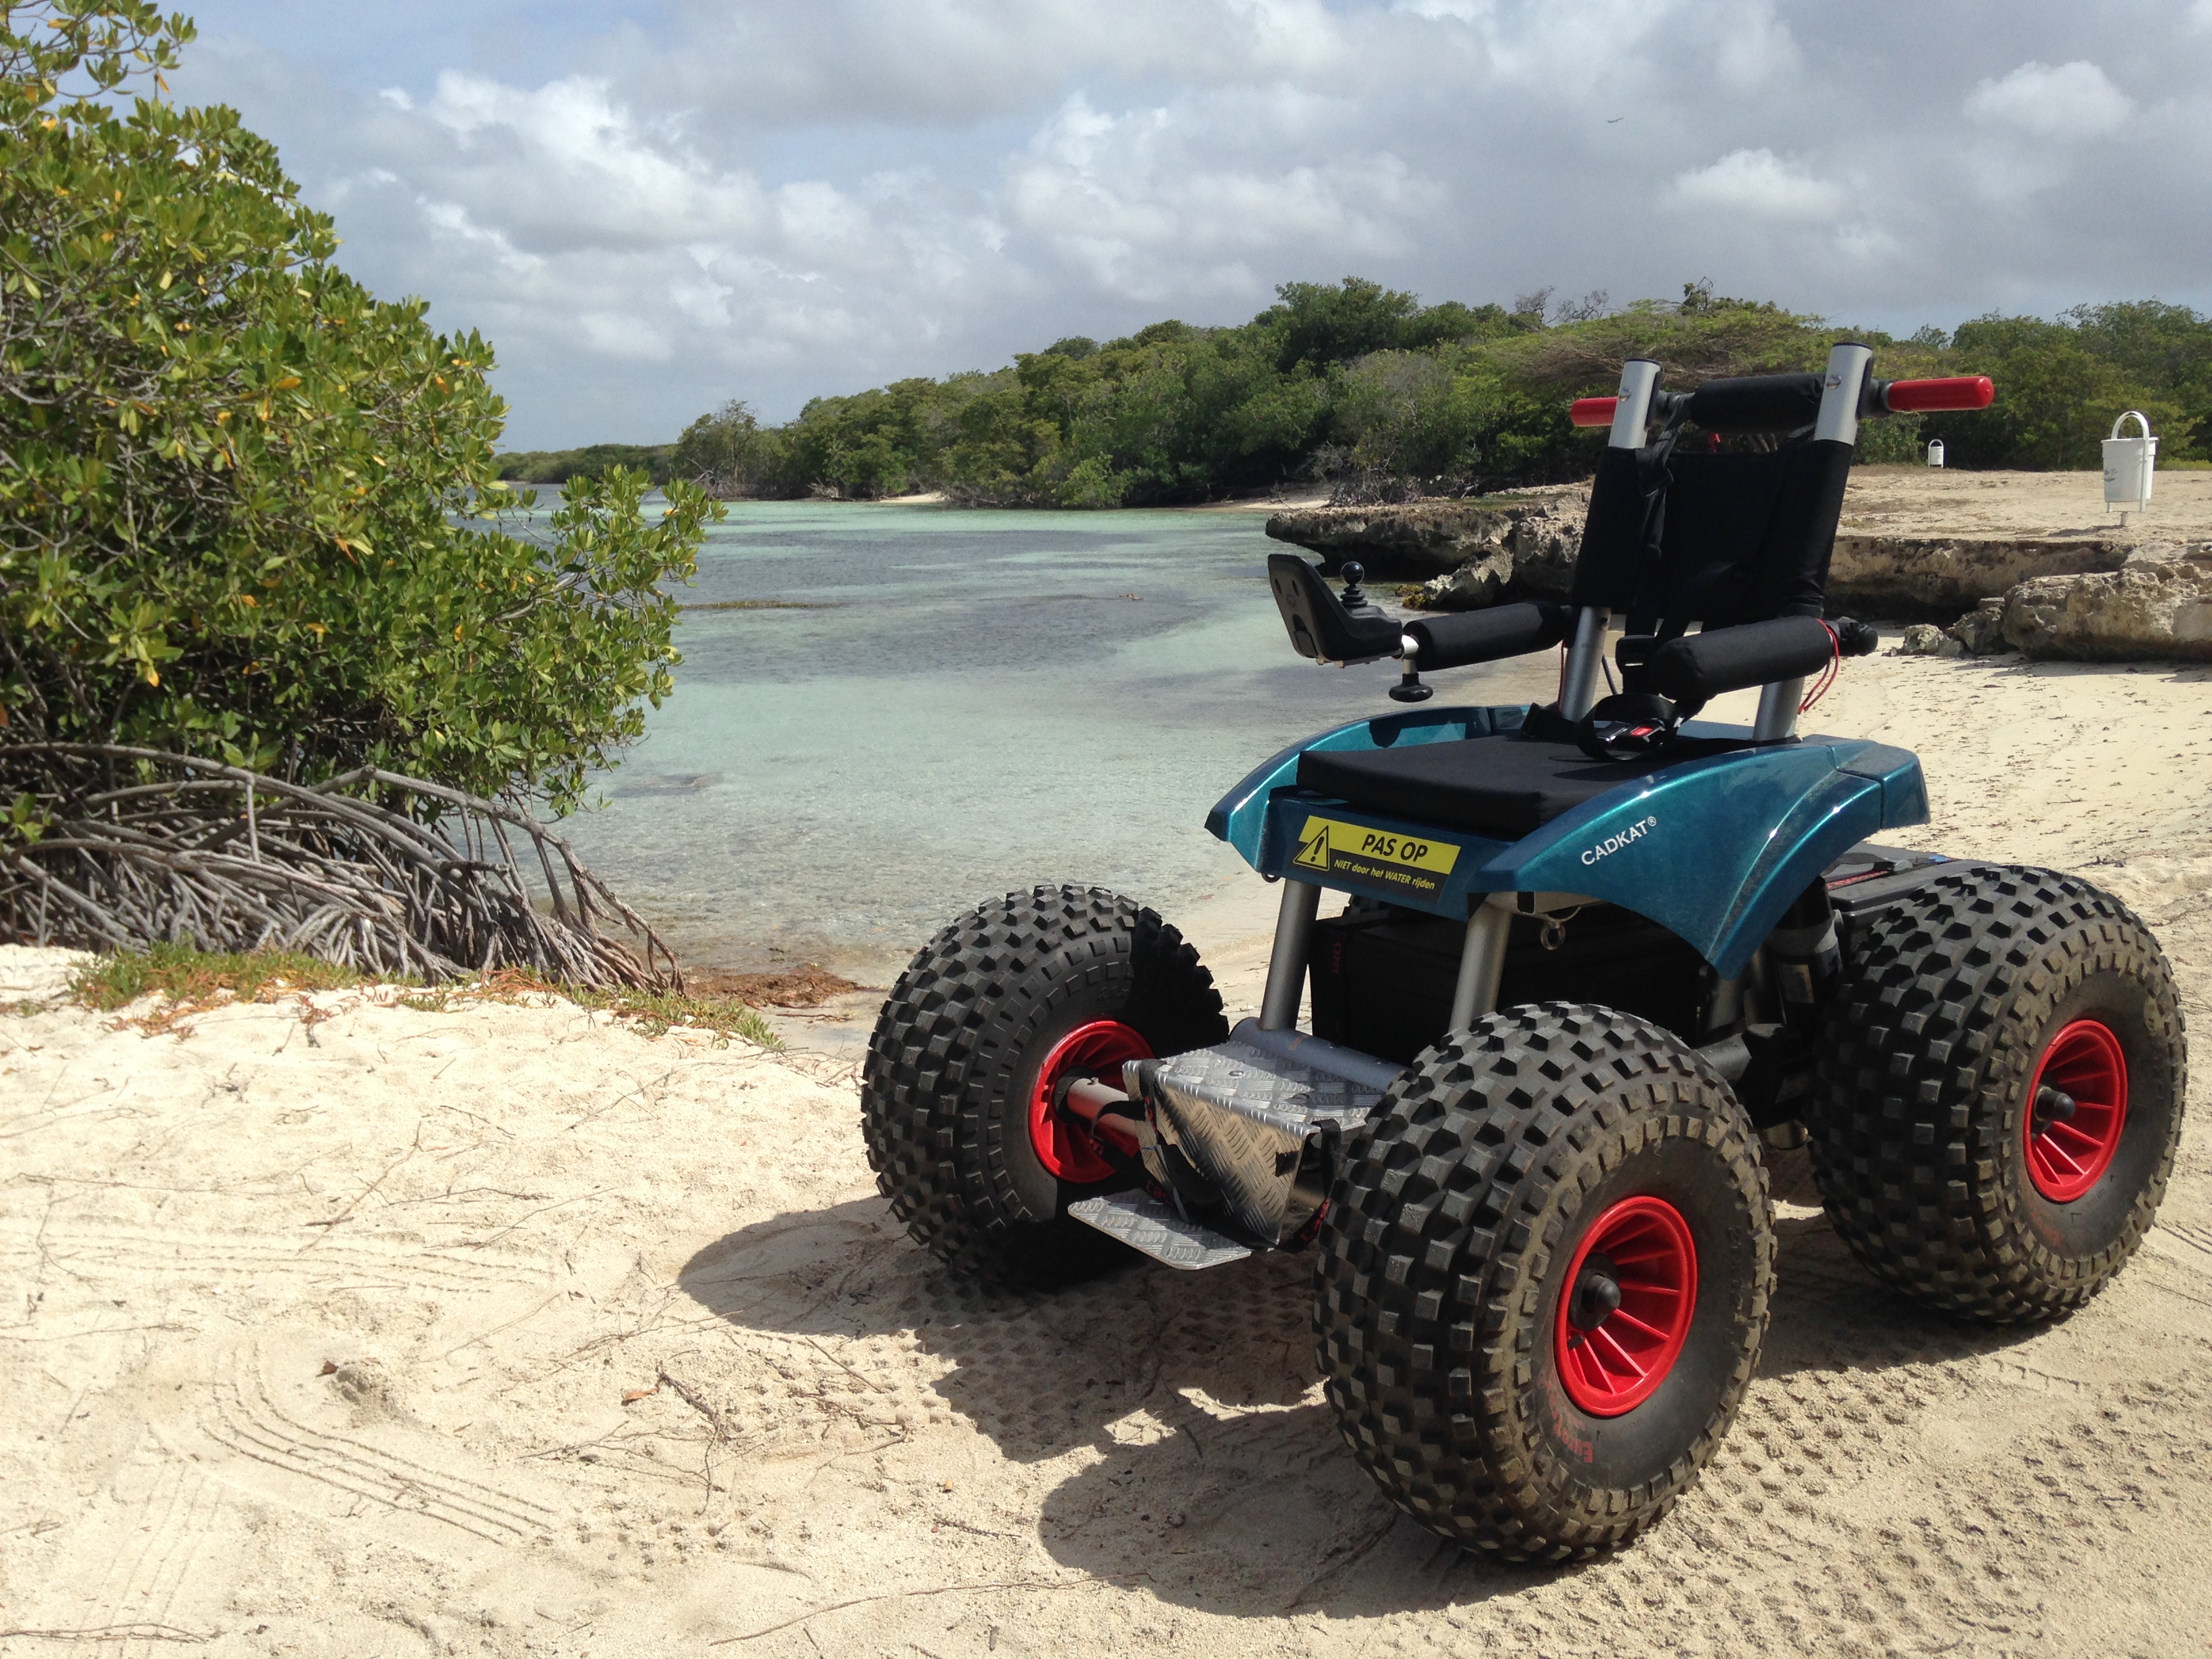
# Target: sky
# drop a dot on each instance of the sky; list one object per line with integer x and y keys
{"x": 651, "y": 207}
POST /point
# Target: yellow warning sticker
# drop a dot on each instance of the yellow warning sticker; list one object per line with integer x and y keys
{"x": 1331, "y": 847}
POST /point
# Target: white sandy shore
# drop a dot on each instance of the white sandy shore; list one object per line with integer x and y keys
{"x": 628, "y": 1358}
{"x": 1919, "y": 500}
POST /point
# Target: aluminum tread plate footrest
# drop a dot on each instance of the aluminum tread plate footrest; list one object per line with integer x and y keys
{"x": 1143, "y": 1223}
{"x": 1243, "y": 1116}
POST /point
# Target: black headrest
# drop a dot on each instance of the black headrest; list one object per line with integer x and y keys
{"x": 1756, "y": 403}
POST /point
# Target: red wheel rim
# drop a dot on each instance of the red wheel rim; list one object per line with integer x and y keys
{"x": 1063, "y": 1146}
{"x": 2068, "y": 1154}
{"x": 1615, "y": 1352}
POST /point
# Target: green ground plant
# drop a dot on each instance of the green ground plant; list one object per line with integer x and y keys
{"x": 185, "y": 975}
{"x": 246, "y": 508}
{"x": 191, "y": 981}
{"x": 653, "y": 1013}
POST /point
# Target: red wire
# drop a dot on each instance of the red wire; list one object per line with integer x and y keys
{"x": 1827, "y": 674}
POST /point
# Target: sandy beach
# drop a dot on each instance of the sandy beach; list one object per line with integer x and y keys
{"x": 1922, "y": 500}
{"x": 340, "y": 1328}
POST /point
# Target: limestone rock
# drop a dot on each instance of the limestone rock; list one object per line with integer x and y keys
{"x": 1469, "y": 553}
{"x": 1934, "y": 578}
{"x": 1415, "y": 541}
{"x": 1981, "y": 630}
{"x": 1926, "y": 639}
{"x": 2151, "y": 609}
{"x": 1481, "y": 581}
{"x": 1545, "y": 547}
{"x": 1519, "y": 550}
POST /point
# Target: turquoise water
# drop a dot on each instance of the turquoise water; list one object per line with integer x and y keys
{"x": 987, "y": 700}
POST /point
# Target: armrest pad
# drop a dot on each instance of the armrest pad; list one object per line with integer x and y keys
{"x": 1694, "y": 669}
{"x": 1473, "y": 636}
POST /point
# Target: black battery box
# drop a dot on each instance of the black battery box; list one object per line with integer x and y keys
{"x": 1382, "y": 978}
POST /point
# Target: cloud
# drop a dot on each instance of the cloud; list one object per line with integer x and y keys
{"x": 659, "y": 204}
{"x": 567, "y": 163}
{"x": 1759, "y": 52}
{"x": 1758, "y": 184}
{"x": 1145, "y": 205}
{"x": 2074, "y": 100}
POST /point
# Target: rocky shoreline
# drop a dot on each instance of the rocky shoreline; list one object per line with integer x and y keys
{"x": 2095, "y": 594}
{"x": 2155, "y": 607}
{"x": 1465, "y": 554}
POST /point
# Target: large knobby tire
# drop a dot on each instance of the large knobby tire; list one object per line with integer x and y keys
{"x": 1449, "y": 1307}
{"x": 1010, "y": 997}
{"x": 1960, "y": 1007}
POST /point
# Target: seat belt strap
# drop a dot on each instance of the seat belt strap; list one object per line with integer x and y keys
{"x": 1654, "y": 479}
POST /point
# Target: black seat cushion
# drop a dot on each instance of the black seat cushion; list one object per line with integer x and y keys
{"x": 1504, "y": 786}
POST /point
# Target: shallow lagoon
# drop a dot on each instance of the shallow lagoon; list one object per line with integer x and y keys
{"x": 989, "y": 699}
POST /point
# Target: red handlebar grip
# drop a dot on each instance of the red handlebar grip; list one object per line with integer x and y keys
{"x": 1593, "y": 411}
{"x": 1958, "y": 391}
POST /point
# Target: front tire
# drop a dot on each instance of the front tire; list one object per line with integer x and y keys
{"x": 1544, "y": 1279}
{"x": 1976, "y": 1006}
{"x": 955, "y": 1094}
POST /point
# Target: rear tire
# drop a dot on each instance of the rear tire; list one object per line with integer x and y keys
{"x": 1065, "y": 978}
{"x": 1454, "y": 1330}
{"x": 1965, "y": 1002}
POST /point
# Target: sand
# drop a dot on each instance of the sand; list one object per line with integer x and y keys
{"x": 1919, "y": 500}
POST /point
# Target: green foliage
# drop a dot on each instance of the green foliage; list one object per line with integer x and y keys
{"x": 559, "y": 466}
{"x": 1317, "y": 324}
{"x": 1354, "y": 379}
{"x": 1348, "y": 377}
{"x": 729, "y": 452}
{"x": 1894, "y": 440}
{"x": 2061, "y": 384}
{"x": 244, "y": 505}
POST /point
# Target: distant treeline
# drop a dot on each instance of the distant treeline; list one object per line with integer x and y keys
{"x": 1351, "y": 383}
{"x": 557, "y": 466}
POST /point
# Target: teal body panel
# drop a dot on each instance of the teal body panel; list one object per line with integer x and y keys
{"x": 1713, "y": 850}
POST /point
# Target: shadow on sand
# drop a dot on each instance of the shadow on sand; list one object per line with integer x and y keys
{"x": 1220, "y": 1479}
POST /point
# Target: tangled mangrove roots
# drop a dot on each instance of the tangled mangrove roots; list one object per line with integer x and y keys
{"x": 118, "y": 847}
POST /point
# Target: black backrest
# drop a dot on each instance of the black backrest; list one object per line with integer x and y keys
{"x": 1743, "y": 537}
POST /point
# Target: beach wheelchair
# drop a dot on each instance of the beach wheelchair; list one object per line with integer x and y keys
{"x": 1597, "y": 959}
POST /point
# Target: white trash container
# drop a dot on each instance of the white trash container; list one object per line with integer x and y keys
{"x": 1935, "y": 452}
{"x": 2130, "y": 463}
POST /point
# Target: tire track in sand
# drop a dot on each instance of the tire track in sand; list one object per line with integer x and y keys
{"x": 327, "y": 1266}
{"x": 133, "y": 1607}
{"x": 246, "y": 1421}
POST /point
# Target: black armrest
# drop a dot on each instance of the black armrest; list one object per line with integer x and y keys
{"x": 1692, "y": 670}
{"x": 1318, "y": 622}
{"x": 1473, "y": 636}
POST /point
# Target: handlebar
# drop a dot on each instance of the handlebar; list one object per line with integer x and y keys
{"x": 1956, "y": 392}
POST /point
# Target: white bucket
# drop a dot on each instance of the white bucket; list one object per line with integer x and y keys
{"x": 1935, "y": 452}
{"x": 2130, "y": 463}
